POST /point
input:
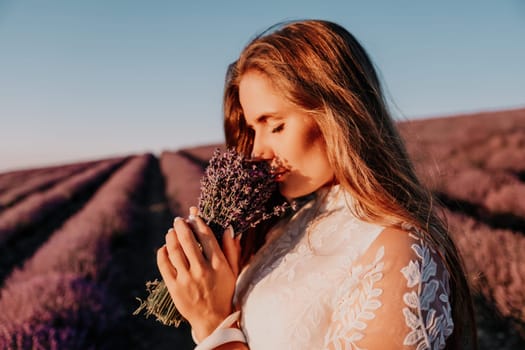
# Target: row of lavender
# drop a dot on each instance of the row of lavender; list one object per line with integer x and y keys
{"x": 62, "y": 296}
{"x": 182, "y": 174}
{"x": 15, "y": 191}
{"x": 491, "y": 236}
{"x": 476, "y": 166}
{"x": 495, "y": 263}
{"x": 39, "y": 204}
{"x": 17, "y": 177}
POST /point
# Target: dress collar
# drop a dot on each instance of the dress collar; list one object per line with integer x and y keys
{"x": 327, "y": 197}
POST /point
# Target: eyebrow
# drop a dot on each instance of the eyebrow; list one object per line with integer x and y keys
{"x": 264, "y": 117}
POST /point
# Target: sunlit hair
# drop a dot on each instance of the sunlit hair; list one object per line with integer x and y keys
{"x": 320, "y": 68}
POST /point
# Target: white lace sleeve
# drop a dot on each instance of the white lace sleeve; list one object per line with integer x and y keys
{"x": 396, "y": 296}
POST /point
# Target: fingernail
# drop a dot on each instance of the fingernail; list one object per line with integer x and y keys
{"x": 192, "y": 217}
{"x": 232, "y": 232}
{"x": 176, "y": 219}
{"x": 194, "y": 211}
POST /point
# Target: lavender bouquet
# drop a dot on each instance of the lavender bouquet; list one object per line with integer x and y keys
{"x": 234, "y": 191}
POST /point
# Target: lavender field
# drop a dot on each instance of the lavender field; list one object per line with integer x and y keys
{"x": 78, "y": 241}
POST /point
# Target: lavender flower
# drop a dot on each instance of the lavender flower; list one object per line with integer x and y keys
{"x": 234, "y": 191}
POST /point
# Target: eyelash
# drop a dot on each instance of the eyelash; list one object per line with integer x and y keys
{"x": 278, "y": 128}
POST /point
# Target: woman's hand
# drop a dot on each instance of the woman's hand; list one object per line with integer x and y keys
{"x": 200, "y": 278}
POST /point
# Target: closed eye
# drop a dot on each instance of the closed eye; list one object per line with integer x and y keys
{"x": 278, "y": 128}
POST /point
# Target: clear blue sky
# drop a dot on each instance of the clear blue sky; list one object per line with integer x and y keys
{"x": 88, "y": 79}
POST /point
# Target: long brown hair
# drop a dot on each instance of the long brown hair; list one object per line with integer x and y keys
{"x": 323, "y": 70}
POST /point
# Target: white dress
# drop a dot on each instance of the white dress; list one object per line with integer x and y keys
{"x": 327, "y": 280}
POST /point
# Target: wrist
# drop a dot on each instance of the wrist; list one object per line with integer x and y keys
{"x": 206, "y": 327}
{"x": 226, "y": 332}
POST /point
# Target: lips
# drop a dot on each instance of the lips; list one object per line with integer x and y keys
{"x": 278, "y": 173}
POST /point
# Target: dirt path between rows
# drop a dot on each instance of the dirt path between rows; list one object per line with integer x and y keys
{"x": 139, "y": 258}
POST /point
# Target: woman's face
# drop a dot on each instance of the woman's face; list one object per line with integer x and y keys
{"x": 284, "y": 136}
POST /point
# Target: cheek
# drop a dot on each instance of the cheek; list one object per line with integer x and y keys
{"x": 313, "y": 136}
{"x": 310, "y": 150}
{"x": 313, "y": 143}
{"x": 315, "y": 148}
{"x": 302, "y": 146}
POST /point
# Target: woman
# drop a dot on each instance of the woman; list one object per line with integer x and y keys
{"x": 364, "y": 262}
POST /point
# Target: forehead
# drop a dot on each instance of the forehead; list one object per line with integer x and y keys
{"x": 259, "y": 97}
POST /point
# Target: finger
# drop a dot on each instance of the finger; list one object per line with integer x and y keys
{"x": 194, "y": 211}
{"x": 167, "y": 271}
{"x": 189, "y": 243}
{"x": 175, "y": 252}
{"x": 232, "y": 249}
{"x": 210, "y": 246}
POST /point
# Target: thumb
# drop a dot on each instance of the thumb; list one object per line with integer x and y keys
{"x": 232, "y": 249}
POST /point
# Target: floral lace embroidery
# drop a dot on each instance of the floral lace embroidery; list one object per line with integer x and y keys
{"x": 362, "y": 302}
{"x": 310, "y": 291}
{"x": 428, "y": 332}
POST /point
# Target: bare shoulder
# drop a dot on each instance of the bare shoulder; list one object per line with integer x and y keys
{"x": 397, "y": 237}
{"x": 399, "y": 244}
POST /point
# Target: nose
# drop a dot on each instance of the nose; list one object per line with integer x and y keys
{"x": 260, "y": 149}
